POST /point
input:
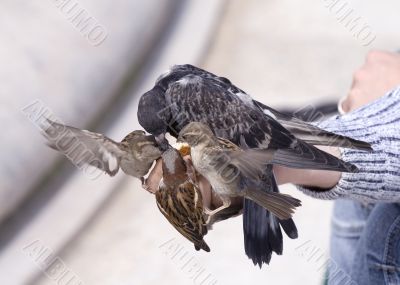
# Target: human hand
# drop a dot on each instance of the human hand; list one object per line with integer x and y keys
{"x": 379, "y": 74}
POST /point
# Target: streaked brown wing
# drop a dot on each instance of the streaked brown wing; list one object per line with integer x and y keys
{"x": 227, "y": 144}
{"x": 250, "y": 162}
{"x": 183, "y": 208}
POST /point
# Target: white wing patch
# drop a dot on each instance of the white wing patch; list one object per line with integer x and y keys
{"x": 269, "y": 113}
{"x": 113, "y": 163}
{"x": 110, "y": 159}
{"x": 189, "y": 79}
{"x": 245, "y": 99}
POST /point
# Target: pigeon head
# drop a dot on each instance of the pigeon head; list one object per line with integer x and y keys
{"x": 154, "y": 116}
{"x": 195, "y": 134}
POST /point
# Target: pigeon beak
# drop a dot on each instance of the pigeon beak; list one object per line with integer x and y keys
{"x": 162, "y": 142}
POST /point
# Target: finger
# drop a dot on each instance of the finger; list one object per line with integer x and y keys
{"x": 206, "y": 192}
{"x": 342, "y": 109}
{"x": 154, "y": 178}
{"x": 346, "y": 104}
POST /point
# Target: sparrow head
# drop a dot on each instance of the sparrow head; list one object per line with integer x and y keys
{"x": 174, "y": 168}
{"x": 138, "y": 134}
{"x": 138, "y": 138}
{"x": 195, "y": 134}
{"x": 143, "y": 147}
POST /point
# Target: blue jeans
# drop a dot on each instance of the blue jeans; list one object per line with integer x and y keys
{"x": 365, "y": 244}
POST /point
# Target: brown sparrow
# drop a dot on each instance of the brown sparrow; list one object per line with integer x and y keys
{"x": 135, "y": 154}
{"x": 234, "y": 173}
{"x": 180, "y": 200}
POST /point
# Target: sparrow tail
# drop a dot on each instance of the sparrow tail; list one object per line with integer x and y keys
{"x": 281, "y": 205}
{"x": 202, "y": 245}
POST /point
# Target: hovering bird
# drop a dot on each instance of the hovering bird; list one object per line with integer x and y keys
{"x": 180, "y": 200}
{"x": 230, "y": 173}
{"x": 135, "y": 154}
{"x": 187, "y": 94}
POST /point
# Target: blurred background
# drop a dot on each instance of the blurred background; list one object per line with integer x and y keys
{"x": 87, "y": 62}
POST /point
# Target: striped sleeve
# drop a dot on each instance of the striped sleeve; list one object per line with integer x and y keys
{"x": 379, "y": 177}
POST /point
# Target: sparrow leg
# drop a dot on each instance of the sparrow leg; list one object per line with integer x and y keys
{"x": 230, "y": 212}
{"x": 226, "y": 202}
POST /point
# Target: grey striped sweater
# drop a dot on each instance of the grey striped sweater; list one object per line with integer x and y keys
{"x": 379, "y": 177}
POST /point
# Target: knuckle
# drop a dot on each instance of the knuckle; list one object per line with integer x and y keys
{"x": 358, "y": 74}
{"x": 348, "y": 103}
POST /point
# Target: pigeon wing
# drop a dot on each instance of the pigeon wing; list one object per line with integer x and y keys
{"x": 194, "y": 98}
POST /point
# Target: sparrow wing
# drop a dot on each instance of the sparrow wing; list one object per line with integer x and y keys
{"x": 85, "y": 147}
{"x": 227, "y": 145}
{"x": 251, "y": 162}
{"x": 183, "y": 208}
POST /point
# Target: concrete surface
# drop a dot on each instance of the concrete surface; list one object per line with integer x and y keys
{"x": 285, "y": 54}
{"x": 50, "y": 55}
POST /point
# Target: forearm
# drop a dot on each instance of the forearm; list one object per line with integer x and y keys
{"x": 378, "y": 178}
{"x": 321, "y": 179}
